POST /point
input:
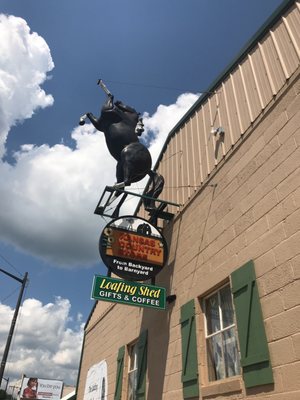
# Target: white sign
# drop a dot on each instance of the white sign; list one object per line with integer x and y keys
{"x": 96, "y": 382}
{"x": 41, "y": 389}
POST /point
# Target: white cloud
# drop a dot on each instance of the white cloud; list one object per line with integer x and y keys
{"x": 49, "y": 195}
{"x": 164, "y": 119}
{"x": 42, "y": 341}
{"x": 25, "y": 60}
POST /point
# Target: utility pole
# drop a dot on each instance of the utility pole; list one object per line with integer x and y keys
{"x": 13, "y": 322}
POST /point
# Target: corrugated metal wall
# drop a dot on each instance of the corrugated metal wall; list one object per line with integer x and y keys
{"x": 193, "y": 151}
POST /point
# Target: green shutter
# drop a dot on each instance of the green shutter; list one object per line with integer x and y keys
{"x": 189, "y": 375}
{"x": 142, "y": 366}
{"x": 119, "y": 377}
{"x": 255, "y": 358}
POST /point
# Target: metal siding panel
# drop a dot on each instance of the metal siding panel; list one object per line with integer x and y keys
{"x": 251, "y": 89}
{"x": 173, "y": 174}
{"x": 209, "y": 146}
{"x": 224, "y": 120}
{"x": 241, "y": 100}
{"x": 191, "y": 153}
{"x": 179, "y": 168}
{"x": 234, "y": 109}
{"x": 273, "y": 63}
{"x": 176, "y": 164}
{"x": 221, "y": 119}
{"x": 191, "y": 150}
{"x": 215, "y": 123}
{"x": 292, "y": 22}
{"x": 229, "y": 117}
{"x": 256, "y": 83}
{"x": 162, "y": 170}
{"x": 197, "y": 149}
{"x": 185, "y": 164}
{"x": 261, "y": 74}
{"x": 202, "y": 142}
{"x": 167, "y": 162}
{"x": 285, "y": 49}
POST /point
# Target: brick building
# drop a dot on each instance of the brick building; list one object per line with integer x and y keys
{"x": 233, "y": 163}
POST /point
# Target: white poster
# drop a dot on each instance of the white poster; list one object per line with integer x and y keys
{"x": 41, "y": 389}
{"x": 96, "y": 382}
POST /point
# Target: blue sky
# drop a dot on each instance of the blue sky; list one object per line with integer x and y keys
{"x": 155, "y": 56}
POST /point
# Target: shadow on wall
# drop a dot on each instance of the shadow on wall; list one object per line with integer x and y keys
{"x": 158, "y": 324}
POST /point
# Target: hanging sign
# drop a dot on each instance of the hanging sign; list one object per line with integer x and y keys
{"x": 130, "y": 293}
{"x": 132, "y": 248}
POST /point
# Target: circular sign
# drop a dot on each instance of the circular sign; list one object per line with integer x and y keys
{"x": 132, "y": 248}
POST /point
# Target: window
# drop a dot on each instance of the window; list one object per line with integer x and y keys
{"x": 221, "y": 342}
{"x": 132, "y": 371}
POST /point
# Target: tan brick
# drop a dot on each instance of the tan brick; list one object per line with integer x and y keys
{"x": 267, "y": 151}
{"x": 282, "y": 352}
{"x": 296, "y": 267}
{"x": 289, "y": 128}
{"x": 291, "y": 377}
{"x": 223, "y": 209}
{"x": 173, "y": 381}
{"x": 246, "y": 172}
{"x": 275, "y": 126}
{"x": 293, "y": 108}
{"x": 282, "y": 210}
{"x": 264, "y": 263}
{"x": 256, "y": 230}
{"x": 171, "y": 395}
{"x": 287, "y": 249}
{"x": 257, "y": 193}
{"x": 290, "y": 184}
{"x": 285, "y": 150}
{"x": 233, "y": 216}
{"x": 285, "y": 324}
{"x": 251, "y": 152}
{"x": 262, "y": 245}
{"x": 277, "y": 278}
{"x": 297, "y": 137}
{"x": 291, "y": 295}
{"x": 292, "y": 223}
{"x": 296, "y": 344}
{"x": 244, "y": 222}
{"x": 265, "y": 204}
{"x": 280, "y": 396}
{"x": 272, "y": 304}
{"x": 236, "y": 245}
{"x": 296, "y": 196}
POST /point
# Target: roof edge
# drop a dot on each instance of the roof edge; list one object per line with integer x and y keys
{"x": 252, "y": 42}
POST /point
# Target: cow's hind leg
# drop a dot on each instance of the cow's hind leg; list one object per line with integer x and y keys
{"x": 156, "y": 186}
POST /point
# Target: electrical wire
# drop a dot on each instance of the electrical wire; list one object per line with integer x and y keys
{"x": 9, "y": 295}
{"x": 10, "y": 264}
{"x": 154, "y": 86}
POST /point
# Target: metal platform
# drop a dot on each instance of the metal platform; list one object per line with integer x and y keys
{"x": 106, "y": 208}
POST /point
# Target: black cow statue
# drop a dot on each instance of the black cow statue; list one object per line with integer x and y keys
{"x": 121, "y": 126}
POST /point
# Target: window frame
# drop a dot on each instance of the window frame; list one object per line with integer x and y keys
{"x": 207, "y": 336}
{"x": 132, "y": 346}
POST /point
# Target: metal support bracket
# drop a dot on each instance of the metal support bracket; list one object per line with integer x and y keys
{"x": 111, "y": 195}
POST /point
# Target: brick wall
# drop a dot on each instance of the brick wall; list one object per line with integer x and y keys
{"x": 249, "y": 208}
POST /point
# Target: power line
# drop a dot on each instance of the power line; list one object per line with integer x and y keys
{"x": 156, "y": 86}
{"x": 10, "y": 264}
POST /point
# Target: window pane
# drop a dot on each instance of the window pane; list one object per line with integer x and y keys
{"x": 232, "y": 365}
{"x": 132, "y": 381}
{"x": 226, "y": 306}
{"x": 212, "y": 314}
{"x": 133, "y": 357}
{"x": 215, "y": 358}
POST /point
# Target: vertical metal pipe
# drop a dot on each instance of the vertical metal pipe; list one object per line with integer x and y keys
{"x": 13, "y": 323}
